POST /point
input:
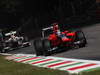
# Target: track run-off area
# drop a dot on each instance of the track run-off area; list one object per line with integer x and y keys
{"x": 75, "y": 66}
{"x": 73, "y": 61}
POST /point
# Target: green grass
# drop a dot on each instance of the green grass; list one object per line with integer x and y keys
{"x": 13, "y": 68}
{"x": 90, "y": 72}
{"x": 95, "y": 72}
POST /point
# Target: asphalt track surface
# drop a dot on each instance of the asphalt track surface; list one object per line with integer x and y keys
{"x": 90, "y": 52}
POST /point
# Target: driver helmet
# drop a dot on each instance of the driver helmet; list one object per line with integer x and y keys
{"x": 55, "y": 27}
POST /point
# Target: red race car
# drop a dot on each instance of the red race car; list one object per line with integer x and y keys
{"x": 55, "y": 37}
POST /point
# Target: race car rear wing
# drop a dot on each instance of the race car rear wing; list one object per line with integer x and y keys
{"x": 45, "y": 29}
{"x": 10, "y": 33}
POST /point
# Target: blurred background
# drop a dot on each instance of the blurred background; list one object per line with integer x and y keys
{"x": 29, "y": 17}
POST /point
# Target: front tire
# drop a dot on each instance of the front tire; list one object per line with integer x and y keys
{"x": 38, "y": 45}
{"x": 81, "y": 38}
{"x": 3, "y": 51}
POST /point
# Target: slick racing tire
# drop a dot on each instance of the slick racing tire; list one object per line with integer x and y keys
{"x": 81, "y": 39}
{"x": 25, "y": 39}
{"x": 3, "y": 51}
{"x": 47, "y": 47}
{"x": 38, "y": 45}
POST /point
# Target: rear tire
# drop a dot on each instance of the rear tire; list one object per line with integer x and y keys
{"x": 47, "y": 47}
{"x": 38, "y": 45}
{"x": 3, "y": 51}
